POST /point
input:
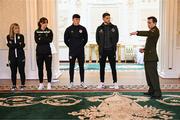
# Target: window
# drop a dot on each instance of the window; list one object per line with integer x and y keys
{"x": 128, "y": 15}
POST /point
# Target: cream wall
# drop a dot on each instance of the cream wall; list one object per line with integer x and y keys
{"x": 178, "y": 28}
{"x": 10, "y": 13}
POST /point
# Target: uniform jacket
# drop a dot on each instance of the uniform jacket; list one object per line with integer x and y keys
{"x": 150, "y": 53}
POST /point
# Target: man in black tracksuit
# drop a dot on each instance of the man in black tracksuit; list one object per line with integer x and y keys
{"x": 151, "y": 58}
{"x": 75, "y": 37}
{"x": 107, "y": 36}
{"x": 43, "y": 37}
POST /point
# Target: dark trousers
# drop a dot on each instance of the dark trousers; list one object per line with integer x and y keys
{"x": 112, "y": 60}
{"x": 72, "y": 60}
{"x": 152, "y": 78}
{"x": 41, "y": 58}
{"x": 20, "y": 65}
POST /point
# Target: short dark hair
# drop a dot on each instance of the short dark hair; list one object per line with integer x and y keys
{"x": 105, "y": 14}
{"x": 76, "y": 16}
{"x": 154, "y": 19}
{"x": 42, "y": 20}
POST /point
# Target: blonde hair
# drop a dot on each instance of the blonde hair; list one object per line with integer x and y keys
{"x": 11, "y": 30}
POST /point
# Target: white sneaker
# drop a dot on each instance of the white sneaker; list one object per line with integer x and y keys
{"x": 101, "y": 85}
{"x": 13, "y": 88}
{"x": 83, "y": 85}
{"x": 70, "y": 85}
{"x": 49, "y": 86}
{"x": 115, "y": 86}
{"x": 41, "y": 86}
{"x": 22, "y": 87}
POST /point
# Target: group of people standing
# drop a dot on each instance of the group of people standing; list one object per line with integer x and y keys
{"x": 15, "y": 41}
{"x": 76, "y": 37}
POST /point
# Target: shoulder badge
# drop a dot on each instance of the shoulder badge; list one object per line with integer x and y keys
{"x": 101, "y": 31}
{"x": 18, "y": 37}
{"x": 153, "y": 30}
{"x": 80, "y": 31}
{"x": 113, "y": 30}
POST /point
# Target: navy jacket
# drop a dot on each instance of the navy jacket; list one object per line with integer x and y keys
{"x": 76, "y": 37}
{"x": 152, "y": 35}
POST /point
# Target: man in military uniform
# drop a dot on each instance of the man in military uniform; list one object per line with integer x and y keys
{"x": 151, "y": 57}
{"x": 76, "y": 37}
{"x": 107, "y": 36}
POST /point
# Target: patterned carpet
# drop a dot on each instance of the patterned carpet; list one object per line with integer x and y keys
{"x": 88, "y": 106}
{"x": 175, "y": 87}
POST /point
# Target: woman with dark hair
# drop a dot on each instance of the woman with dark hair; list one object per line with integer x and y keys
{"x": 15, "y": 42}
{"x": 43, "y": 37}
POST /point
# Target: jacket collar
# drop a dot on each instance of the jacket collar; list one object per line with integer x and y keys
{"x": 153, "y": 28}
{"x": 110, "y": 24}
{"x": 75, "y": 25}
{"x": 43, "y": 30}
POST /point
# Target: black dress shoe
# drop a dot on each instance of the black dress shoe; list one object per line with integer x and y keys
{"x": 148, "y": 93}
{"x": 156, "y": 97}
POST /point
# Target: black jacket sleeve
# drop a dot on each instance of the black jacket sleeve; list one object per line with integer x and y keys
{"x": 66, "y": 37}
{"x": 143, "y": 33}
{"x": 50, "y": 37}
{"x": 36, "y": 38}
{"x": 10, "y": 43}
{"x": 116, "y": 35}
{"x": 97, "y": 36}
{"x": 85, "y": 36}
{"x": 149, "y": 33}
{"x": 21, "y": 44}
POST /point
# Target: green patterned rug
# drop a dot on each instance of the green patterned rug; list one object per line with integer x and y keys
{"x": 88, "y": 106}
{"x": 96, "y": 67}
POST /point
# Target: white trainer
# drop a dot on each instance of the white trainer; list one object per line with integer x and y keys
{"x": 41, "y": 86}
{"x": 49, "y": 86}
{"x": 13, "y": 88}
{"x": 83, "y": 85}
{"x": 70, "y": 85}
{"x": 22, "y": 87}
{"x": 115, "y": 86}
{"x": 101, "y": 85}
